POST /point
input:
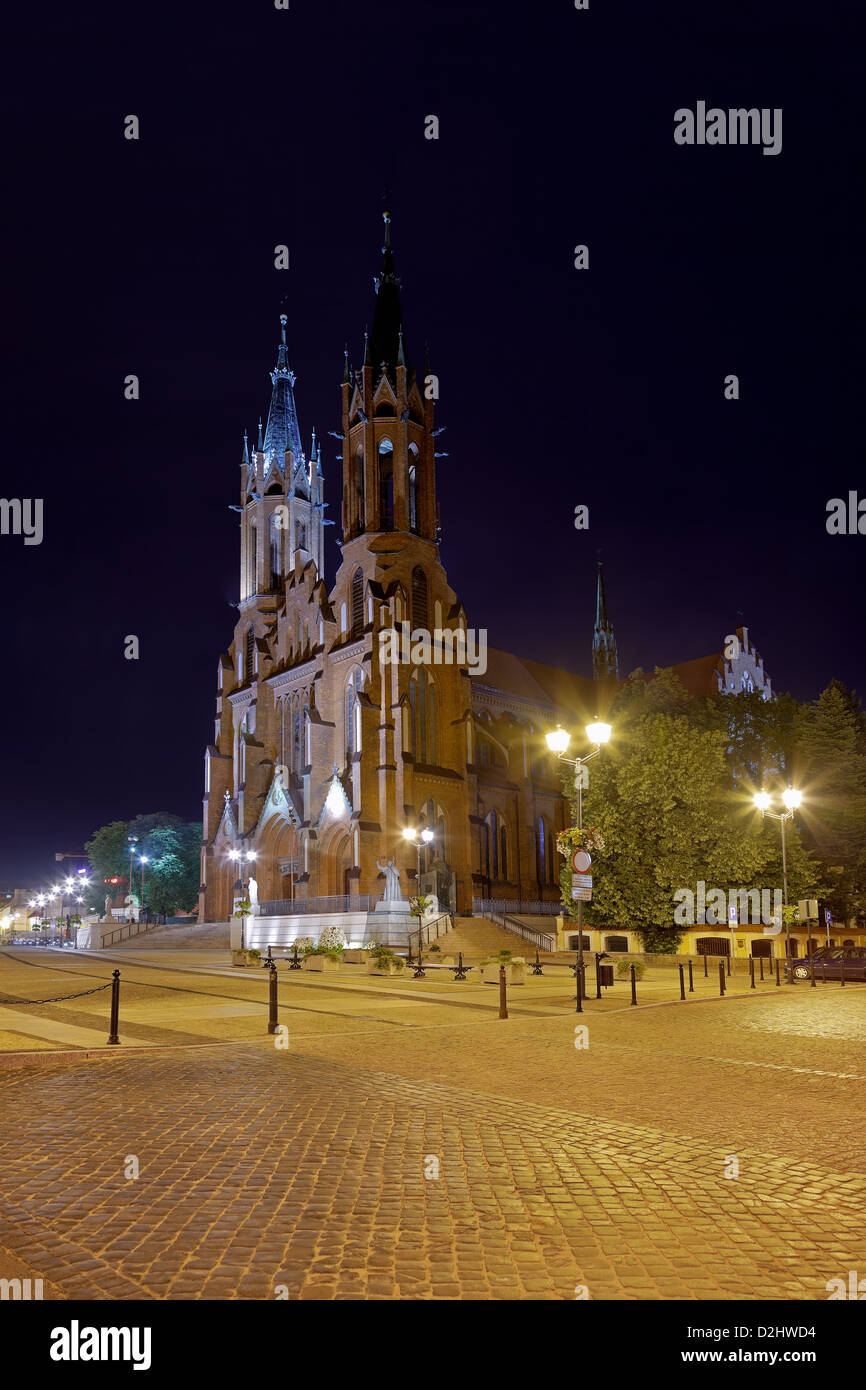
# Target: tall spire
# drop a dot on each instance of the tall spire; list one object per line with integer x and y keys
{"x": 385, "y": 343}
{"x": 282, "y": 432}
{"x": 245, "y": 456}
{"x": 605, "y": 663}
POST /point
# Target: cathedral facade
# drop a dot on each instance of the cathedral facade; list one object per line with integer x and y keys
{"x": 325, "y": 749}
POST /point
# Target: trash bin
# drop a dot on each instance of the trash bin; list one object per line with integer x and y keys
{"x": 605, "y": 976}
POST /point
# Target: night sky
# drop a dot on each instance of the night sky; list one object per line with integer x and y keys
{"x": 558, "y": 387}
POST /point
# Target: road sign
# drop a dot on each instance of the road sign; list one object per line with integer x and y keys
{"x": 581, "y": 887}
{"x": 580, "y": 861}
{"x": 732, "y": 914}
{"x": 828, "y": 916}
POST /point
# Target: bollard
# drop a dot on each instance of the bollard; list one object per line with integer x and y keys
{"x": 597, "y": 975}
{"x": 691, "y": 979}
{"x": 705, "y": 967}
{"x": 633, "y": 986}
{"x": 578, "y": 991}
{"x": 296, "y": 964}
{"x": 272, "y": 1000}
{"x": 761, "y": 963}
{"x": 728, "y": 965}
{"x": 721, "y": 977}
{"x": 751, "y": 972}
{"x": 682, "y": 981}
{"x": 823, "y": 972}
{"x": 580, "y": 973}
{"x": 536, "y": 969}
{"x": 113, "y": 1039}
{"x": 811, "y": 972}
{"x": 842, "y": 972}
{"x": 778, "y": 981}
{"x": 503, "y": 995}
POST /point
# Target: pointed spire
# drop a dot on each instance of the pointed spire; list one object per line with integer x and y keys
{"x": 346, "y": 364}
{"x": 245, "y": 456}
{"x": 366, "y": 357}
{"x": 605, "y": 662}
{"x": 401, "y": 356}
{"x": 387, "y": 317}
{"x": 261, "y": 443}
{"x": 283, "y": 432}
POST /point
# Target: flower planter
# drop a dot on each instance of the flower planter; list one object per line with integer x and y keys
{"x": 319, "y": 963}
{"x": 246, "y": 957}
{"x": 357, "y": 956}
{"x": 388, "y": 968}
{"x": 515, "y": 973}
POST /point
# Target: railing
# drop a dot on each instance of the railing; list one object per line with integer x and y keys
{"x": 536, "y": 907}
{"x": 130, "y": 928}
{"x": 545, "y": 941}
{"x": 433, "y": 929}
{"x": 288, "y": 907}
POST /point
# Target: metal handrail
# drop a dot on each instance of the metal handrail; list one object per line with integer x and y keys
{"x": 426, "y": 932}
{"x": 127, "y": 927}
{"x": 536, "y": 907}
{"x": 288, "y": 907}
{"x": 545, "y": 941}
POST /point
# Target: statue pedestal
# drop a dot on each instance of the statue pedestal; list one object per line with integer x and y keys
{"x": 391, "y": 922}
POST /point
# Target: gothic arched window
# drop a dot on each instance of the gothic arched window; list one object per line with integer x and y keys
{"x": 419, "y": 598}
{"x": 386, "y": 485}
{"x": 358, "y": 602}
{"x": 296, "y": 735}
{"x": 544, "y": 851}
{"x": 251, "y": 557}
{"x": 413, "y": 487}
{"x": 357, "y": 503}
{"x": 354, "y": 686}
{"x": 422, "y": 717}
{"x": 274, "y": 550}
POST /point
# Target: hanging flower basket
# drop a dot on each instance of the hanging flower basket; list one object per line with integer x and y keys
{"x": 590, "y": 837}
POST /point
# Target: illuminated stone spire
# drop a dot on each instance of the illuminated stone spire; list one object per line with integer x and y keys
{"x": 605, "y": 663}
{"x": 282, "y": 432}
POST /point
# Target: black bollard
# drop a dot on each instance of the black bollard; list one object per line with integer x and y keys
{"x": 113, "y": 1039}
{"x": 752, "y": 972}
{"x": 823, "y": 972}
{"x": 761, "y": 964}
{"x": 682, "y": 981}
{"x": 728, "y": 965}
{"x": 811, "y": 972}
{"x": 579, "y": 973}
{"x": 778, "y": 981}
{"x": 633, "y": 986}
{"x": 597, "y": 975}
{"x": 705, "y": 967}
{"x": 272, "y": 1000}
{"x": 578, "y": 991}
{"x": 842, "y": 972}
{"x": 503, "y": 993}
{"x": 691, "y": 979}
{"x": 721, "y": 977}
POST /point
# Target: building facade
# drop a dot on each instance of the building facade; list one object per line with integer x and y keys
{"x": 325, "y": 747}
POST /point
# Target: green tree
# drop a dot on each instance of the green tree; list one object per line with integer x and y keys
{"x": 172, "y": 849}
{"x": 831, "y": 773}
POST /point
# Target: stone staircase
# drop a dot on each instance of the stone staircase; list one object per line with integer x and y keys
{"x": 477, "y": 937}
{"x": 205, "y": 936}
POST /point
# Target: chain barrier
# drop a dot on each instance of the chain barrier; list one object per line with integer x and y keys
{"x": 57, "y": 998}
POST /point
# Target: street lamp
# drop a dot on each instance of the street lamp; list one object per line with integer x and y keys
{"x": 133, "y": 841}
{"x": 791, "y": 800}
{"x": 239, "y": 856}
{"x": 420, "y": 839}
{"x": 557, "y": 741}
{"x": 142, "y": 859}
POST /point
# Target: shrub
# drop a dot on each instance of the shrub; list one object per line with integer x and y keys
{"x": 434, "y": 947}
{"x": 384, "y": 956}
{"x": 623, "y": 969}
{"x": 303, "y": 943}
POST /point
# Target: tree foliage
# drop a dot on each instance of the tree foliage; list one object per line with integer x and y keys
{"x": 172, "y": 872}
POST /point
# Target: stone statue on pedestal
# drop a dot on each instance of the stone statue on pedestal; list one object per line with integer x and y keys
{"x": 392, "y": 881}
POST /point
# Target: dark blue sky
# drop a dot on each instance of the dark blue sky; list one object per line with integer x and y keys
{"x": 558, "y": 387}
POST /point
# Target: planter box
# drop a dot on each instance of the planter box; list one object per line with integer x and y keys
{"x": 357, "y": 956}
{"x": 319, "y": 963}
{"x": 515, "y": 973}
{"x": 389, "y": 969}
{"x": 246, "y": 957}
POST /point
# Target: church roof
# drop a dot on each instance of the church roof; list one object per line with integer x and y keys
{"x": 282, "y": 431}
{"x": 531, "y": 681}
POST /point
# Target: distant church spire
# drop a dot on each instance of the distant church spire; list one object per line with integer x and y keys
{"x": 604, "y": 658}
{"x": 282, "y": 431}
{"x": 386, "y": 337}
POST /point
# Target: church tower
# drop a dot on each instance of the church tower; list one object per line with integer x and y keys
{"x": 605, "y": 663}
{"x": 282, "y": 505}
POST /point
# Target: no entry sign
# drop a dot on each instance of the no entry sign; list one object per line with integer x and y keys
{"x": 580, "y": 861}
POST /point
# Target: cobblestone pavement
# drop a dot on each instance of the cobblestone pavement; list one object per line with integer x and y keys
{"x": 311, "y": 1171}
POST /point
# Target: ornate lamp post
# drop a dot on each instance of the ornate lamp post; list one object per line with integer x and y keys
{"x": 420, "y": 839}
{"x": 241, "y": 856}
{"x": 133, "y": 841}
{"x": 142, "y": 859}
{"x": 791, "y": 800}
{"x": 558, "y": 741}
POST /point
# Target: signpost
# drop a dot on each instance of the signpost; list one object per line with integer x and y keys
{"x": 828, "y": 917}
{"x": 581, "y": 879}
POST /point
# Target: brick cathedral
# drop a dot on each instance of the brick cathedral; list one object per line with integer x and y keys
{"x": 324, "y": 753}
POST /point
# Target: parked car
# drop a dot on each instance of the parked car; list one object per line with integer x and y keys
{"x": 828, "y": 962}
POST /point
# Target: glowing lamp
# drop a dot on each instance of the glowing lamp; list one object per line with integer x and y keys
{"x": 427, "y": 836}
{"x": 792, "y": 798}
{"x": 762, "y": 800}
{"x": 558, "y": 740}
{"x": 408, "y": 834}
{"x": 598, "y": 732}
